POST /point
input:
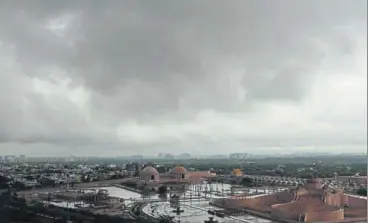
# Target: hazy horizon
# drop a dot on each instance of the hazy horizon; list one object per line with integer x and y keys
{"x": 201, "y": 156}
{"x": 203, "y": 77}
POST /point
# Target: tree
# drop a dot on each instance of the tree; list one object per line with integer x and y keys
{"x": 280, "y": 172}
{"x": 4, "y": 182}
{"x": 5, "y": 199}
{"x": 246, "y": 181}
{"x": 162, "y": 190}
{"x": 362, "y": 191}
{"x": 15, "y": 196}
{"x": 19, "y": 185}
{"x": 161, "y": 169}
{"x": 47, "y": 182}
{"x": 29, "y": 177}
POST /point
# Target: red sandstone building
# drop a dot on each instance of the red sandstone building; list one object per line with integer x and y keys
{"x": 314, "y": 202}
{"x": 151, "y": 179}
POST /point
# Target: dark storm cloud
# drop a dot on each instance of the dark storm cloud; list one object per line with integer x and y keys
{"x": 177, "y": 42}
{"x": 142, "y": 59}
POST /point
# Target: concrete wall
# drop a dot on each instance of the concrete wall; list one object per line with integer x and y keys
{"x": 360, "y": 180}
{"x": 200, "y": 174}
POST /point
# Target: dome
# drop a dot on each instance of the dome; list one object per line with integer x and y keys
{"x": 237, "y": 172}
{"x": 102, "y": 191}
{"x": 149, "y": 171}
{"x": 179, "y": 170}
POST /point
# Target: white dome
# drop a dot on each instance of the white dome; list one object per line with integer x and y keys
{"x": 149, "y": 173}
{"x": 102, "y": 191}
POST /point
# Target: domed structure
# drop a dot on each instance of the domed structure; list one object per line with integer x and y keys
{"x": 179, "y": 172}
{"x": 149, "y": 173}
{"x": 102, "y": 191}
{"x": 237, "y": 172}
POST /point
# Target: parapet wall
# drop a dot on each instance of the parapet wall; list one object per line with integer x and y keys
{"x": 356, "y": 202}
{"x": 289, "y": 210}
{"x": 262, "y": 203}
{"x": 311, "y": 204}
{"x": 309, "y": 193}
{"x": 323, "y": 216}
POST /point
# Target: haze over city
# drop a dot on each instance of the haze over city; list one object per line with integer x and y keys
{"x": 203, "y": 77}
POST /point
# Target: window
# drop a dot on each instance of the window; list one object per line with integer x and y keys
{"x": 152, "y": 177}
{"x": 182, "y": 176}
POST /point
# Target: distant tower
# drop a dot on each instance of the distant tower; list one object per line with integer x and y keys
{"x": 336, "y": 177}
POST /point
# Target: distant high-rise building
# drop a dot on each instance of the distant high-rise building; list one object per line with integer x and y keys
{"x": 9, "y": 158}
{"x": 131, "y": 167}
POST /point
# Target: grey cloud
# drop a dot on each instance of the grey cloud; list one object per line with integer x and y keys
{"x": 159, "y": 41}
{"x": 142, "y": 59}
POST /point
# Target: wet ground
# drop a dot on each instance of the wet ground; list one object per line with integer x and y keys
{"x": 195, "y": 210}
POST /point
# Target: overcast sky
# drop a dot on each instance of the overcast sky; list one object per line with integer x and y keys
{"x": 143, "y": 77}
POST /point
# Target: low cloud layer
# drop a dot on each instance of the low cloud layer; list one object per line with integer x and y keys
{"x": 120, "y": 78}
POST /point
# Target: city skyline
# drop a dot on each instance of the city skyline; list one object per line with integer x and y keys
{"x": 207, "y": 77}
